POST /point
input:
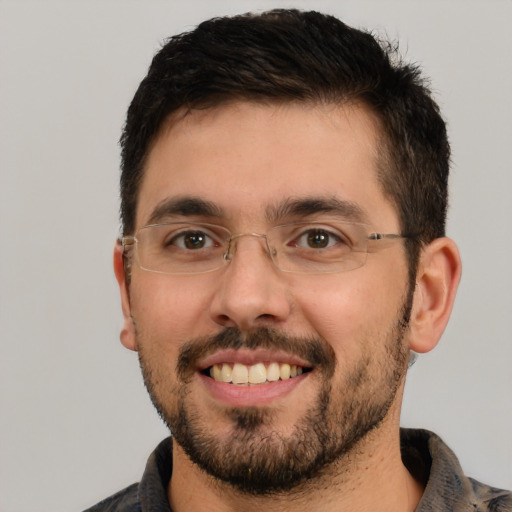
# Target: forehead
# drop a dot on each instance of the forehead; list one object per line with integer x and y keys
{"x": 246, "y": 159}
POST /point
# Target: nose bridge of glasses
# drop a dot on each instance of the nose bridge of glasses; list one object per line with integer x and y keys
{"x": 233, "y": 242}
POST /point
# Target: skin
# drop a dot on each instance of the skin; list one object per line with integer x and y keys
{"x": 244, "y": 157}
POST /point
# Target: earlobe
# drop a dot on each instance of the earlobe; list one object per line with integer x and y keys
{"x": 437, "y": 279}
{"x": 127, "y": 335}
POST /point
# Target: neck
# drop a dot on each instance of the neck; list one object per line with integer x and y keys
{"x": 371, "y": 477}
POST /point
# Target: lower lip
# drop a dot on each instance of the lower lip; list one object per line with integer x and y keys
{"x": 251, "y": 395}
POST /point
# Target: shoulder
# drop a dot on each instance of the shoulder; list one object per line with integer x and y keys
{"x": 123, "y": 501}
{"x": 148, "y": 495}
{"x": 433, "y": 464}
{"x": 491, "y": 499}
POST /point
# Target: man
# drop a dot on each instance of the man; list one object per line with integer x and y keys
{"x": 284, "y": 191}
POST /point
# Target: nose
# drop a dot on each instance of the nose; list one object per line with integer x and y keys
{"x": 251, "y": 291}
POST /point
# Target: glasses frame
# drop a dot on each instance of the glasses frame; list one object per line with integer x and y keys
{"x": 130, "y": 241}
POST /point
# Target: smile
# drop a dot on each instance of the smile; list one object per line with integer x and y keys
{"x": 252, "y": 377}
{"x": 259, "y": 373}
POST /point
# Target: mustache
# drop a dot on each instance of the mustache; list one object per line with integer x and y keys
{"x": 317, "y": 352}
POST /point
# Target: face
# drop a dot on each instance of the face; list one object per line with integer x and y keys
{"x": 345, "y": 332}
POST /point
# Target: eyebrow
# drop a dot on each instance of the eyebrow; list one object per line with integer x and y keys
{"x": 186, "y": 206}
{"x": 309, "y": 206}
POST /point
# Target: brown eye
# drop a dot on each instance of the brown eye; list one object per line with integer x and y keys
{"x": 192, "y": 240}
{"x": 318, "y": 239}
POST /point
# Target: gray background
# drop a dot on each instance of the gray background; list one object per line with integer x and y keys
{"x": 75, "y": 421}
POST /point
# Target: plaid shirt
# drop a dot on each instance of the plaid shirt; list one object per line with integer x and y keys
{"x": 427, "y": 458}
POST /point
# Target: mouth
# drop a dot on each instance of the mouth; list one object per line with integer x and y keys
{"x": 240, "y": 374}
{"x": 252, "y": 377}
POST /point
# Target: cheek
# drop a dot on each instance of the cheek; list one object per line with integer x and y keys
{"x": 169, "y": 310}
{"x": 350, "y": 311}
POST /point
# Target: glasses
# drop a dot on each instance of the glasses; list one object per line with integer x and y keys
{"x": 300, "y": 247}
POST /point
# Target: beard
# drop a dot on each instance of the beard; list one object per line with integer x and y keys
{"x": 253, "y": 456}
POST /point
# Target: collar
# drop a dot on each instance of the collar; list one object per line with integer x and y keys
{"x": 424, "y": 454}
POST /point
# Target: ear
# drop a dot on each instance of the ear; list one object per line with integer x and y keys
{"x": 128, "y": 338}
{"x": 437, "y": 279}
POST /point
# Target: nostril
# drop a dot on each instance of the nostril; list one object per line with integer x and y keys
{"x": 265, "y": 316}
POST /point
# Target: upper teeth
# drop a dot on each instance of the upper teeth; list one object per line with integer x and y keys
{"x": 255, "y": 374}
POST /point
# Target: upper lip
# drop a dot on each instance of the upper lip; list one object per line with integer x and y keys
{"x": 250, "y": 357}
